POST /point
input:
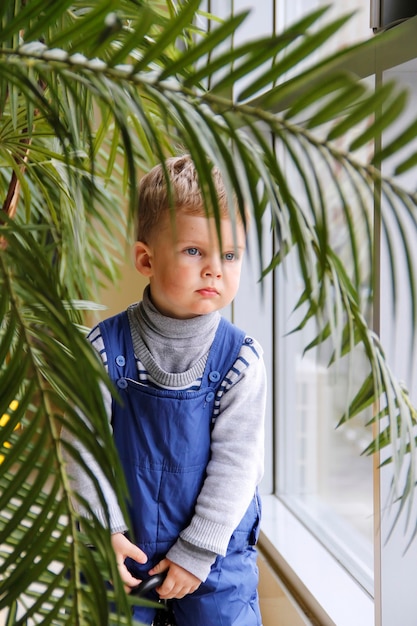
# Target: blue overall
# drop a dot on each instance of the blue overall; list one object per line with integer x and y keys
{"x": 163, "y": 439}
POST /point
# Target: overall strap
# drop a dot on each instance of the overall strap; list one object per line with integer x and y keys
{"x": 118, "y": 344}
{"x": 223, "y": 352}
{"x": 121, "y": 360}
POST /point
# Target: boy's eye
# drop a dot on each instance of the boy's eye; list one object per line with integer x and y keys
{"x": 192, "y": 251}
{"x": 229, "y": 256}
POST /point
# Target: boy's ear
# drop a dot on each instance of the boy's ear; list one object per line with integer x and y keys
{"x": 143, "y": 259}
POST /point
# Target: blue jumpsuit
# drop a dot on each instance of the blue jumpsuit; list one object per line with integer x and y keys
{"x": 163, "y": 439}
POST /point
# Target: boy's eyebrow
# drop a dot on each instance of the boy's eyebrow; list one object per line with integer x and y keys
{"x": 197, "y": 242}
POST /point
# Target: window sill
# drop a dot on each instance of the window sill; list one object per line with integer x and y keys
{"x": 317, "y": 580}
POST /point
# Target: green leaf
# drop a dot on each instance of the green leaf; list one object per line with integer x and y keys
{"x": 390, "y": 113}
{"x": 136, "y": 35}
{"x": 169, "y": 34}
{"x": 399, "y": 142}
{"x": 337, "y": 105}
{"x": 29, "y": 13}
{"x": 308, "y": 45}
{"x": 406, "y": 165}
{"x": 362, "y": 111}
{"x": 195, "y": 53}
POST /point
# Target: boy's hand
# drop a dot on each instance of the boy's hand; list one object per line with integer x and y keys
{"x": 178, "y": 583}
{"x": 123, "y": 548}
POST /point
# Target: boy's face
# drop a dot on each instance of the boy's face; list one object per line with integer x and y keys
{"x": 188, "y": 273}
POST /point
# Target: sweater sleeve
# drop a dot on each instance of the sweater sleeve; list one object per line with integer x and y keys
{"x": 233, "y": 472}
{"x": 80, "y": 481}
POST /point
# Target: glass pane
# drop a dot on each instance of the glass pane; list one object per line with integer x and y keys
{"x": 321, "y": 474}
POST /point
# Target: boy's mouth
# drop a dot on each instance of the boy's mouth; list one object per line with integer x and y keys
{"x": 208, "y": 291}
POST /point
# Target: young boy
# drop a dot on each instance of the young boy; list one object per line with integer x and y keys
{"x": 190, "y": 428}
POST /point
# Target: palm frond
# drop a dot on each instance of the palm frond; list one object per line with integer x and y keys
{"x": 47, "y": 371}
{"x": 89, "y": 93}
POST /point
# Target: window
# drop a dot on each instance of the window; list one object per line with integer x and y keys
{"x": 320, "y": 487}
{"x": 320, "y": 474}
{"x": 318, "y": 490}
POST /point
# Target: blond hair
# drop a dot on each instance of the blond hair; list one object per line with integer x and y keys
{"x": 155, "y": 196}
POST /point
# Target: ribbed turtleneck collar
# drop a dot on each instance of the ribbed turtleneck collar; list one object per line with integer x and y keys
{"x": 192, "y": 329}
{"x": 173, "y": 345}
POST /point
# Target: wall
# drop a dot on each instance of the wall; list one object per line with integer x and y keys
{"x": 118, "y": 296}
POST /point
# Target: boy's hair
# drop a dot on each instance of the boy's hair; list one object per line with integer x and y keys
{"x": 154, "y": 196}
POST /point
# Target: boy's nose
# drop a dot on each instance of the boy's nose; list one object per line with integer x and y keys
{"x": 213, "y": 267}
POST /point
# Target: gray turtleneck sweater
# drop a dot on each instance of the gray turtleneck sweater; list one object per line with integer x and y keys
{"x": 172, "y": 353}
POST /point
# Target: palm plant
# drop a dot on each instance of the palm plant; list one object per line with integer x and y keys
{"x": 90, "y": 93}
